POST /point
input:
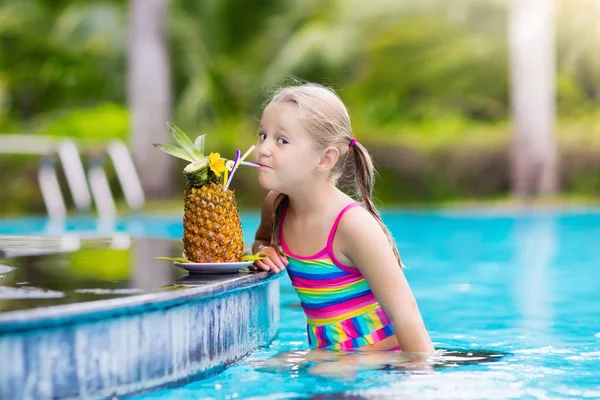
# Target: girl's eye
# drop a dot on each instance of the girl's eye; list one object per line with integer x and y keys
{"x": 282, "y": 141}
{"x": 262, "y": 135}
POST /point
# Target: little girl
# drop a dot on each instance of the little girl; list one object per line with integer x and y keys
{"x": 340, "y": 257}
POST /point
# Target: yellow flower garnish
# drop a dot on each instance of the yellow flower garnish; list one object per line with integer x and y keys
{"x": 216, "y": 164}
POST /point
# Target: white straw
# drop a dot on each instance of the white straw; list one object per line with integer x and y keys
{"x": 235, "y": 166}
{"x": 250, "y": 164}
{"x": 247, "y": 153}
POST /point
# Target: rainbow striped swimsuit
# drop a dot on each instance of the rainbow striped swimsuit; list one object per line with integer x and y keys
{"x": 341, "y": 310}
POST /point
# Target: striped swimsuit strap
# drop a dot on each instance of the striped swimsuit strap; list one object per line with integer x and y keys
{"x": 325, "y": 252}
{"x": 341, "y": 310}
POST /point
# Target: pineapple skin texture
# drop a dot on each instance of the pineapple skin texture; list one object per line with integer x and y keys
{"x": 212, "y": 229}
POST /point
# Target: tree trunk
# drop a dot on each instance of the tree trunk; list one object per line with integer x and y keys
{"x": 149, "y": 92}
{"x": 532, "y": 75}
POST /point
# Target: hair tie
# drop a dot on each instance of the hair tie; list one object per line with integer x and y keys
{"x": 352, "y": 142}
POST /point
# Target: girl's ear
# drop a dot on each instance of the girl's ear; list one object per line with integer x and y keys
{"x": 328, "y": 159}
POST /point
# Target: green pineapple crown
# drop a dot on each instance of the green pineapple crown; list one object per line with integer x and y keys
{"x": 198, "y": 171}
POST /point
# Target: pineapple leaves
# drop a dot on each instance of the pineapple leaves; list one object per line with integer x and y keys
{"x": 184, "y": 142}
{"x": 199, "y": 144}
{"x": 174, "y": 259}
{"x": 174, "y": 151}
{"x": 261, "y": 255}
{"x": 173, "y": 287}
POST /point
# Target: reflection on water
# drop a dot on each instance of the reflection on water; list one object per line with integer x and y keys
{"x": 110, "y": 291}
{"x": 149, "y": 272}
{"x": 26, "y": 292}
{"x": 346, "y": 364}
{"x": 52, "y": 271}
{"x": 535, "y": 245}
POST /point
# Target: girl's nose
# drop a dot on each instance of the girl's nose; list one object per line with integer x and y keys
{"x": 262, "y": 150}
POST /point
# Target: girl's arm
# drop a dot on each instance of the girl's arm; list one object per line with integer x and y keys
{"x": 365, "y": 243}
{"x": 262, "y": 240}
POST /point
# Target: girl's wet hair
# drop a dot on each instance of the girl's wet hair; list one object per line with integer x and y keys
{"x": 326, "y": 119}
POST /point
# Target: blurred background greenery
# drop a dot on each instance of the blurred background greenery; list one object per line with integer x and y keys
{"x": 426, "y": 83}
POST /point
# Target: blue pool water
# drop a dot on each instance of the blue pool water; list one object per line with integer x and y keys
{"x": 522, "y": 285}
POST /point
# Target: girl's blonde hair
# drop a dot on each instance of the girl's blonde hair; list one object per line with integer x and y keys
{"x": 326, "y": 119}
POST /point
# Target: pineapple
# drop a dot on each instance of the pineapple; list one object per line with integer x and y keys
{"x": 212, "y": 230}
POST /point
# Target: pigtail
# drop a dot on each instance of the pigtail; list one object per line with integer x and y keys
{"x": 364, "y": 179}
{"x": 279, "y": 206}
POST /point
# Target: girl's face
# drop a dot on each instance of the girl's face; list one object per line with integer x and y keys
{"x": 284, "y": 149}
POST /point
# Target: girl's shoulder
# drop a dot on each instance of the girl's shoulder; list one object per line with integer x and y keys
{"x": 350, "y": 213}
{"x": 356, "y": 224}
{"x": 355, "y": 216}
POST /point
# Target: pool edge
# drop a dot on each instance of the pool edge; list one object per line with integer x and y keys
{"x": 129, "y": 345}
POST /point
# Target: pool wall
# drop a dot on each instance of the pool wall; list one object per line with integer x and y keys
{"x": 128, "y": 345}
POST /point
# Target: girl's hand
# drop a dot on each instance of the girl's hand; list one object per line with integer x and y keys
{"x": 275, "y": 262}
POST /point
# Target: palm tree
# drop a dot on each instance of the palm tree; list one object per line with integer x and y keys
{"x": 149, "y": 92}
{"x": 532, "y": 73}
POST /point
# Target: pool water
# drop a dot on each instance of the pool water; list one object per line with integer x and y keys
{"x": 511, "y": 300}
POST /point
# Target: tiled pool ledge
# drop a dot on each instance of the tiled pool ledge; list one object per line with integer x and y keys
{"x": 99, "y": 348}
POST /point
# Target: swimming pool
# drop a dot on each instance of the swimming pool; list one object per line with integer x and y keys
{"x": 522, "y": 285}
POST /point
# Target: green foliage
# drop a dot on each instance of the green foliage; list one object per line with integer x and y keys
{"x": 18, "y": 180}
{"x": 430, "y": 68}
{"x": 58, "y": 54}
{"x": 430, "y": 76}
{"x": 105, "y": 121}
{"x": 578, "y": 52}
